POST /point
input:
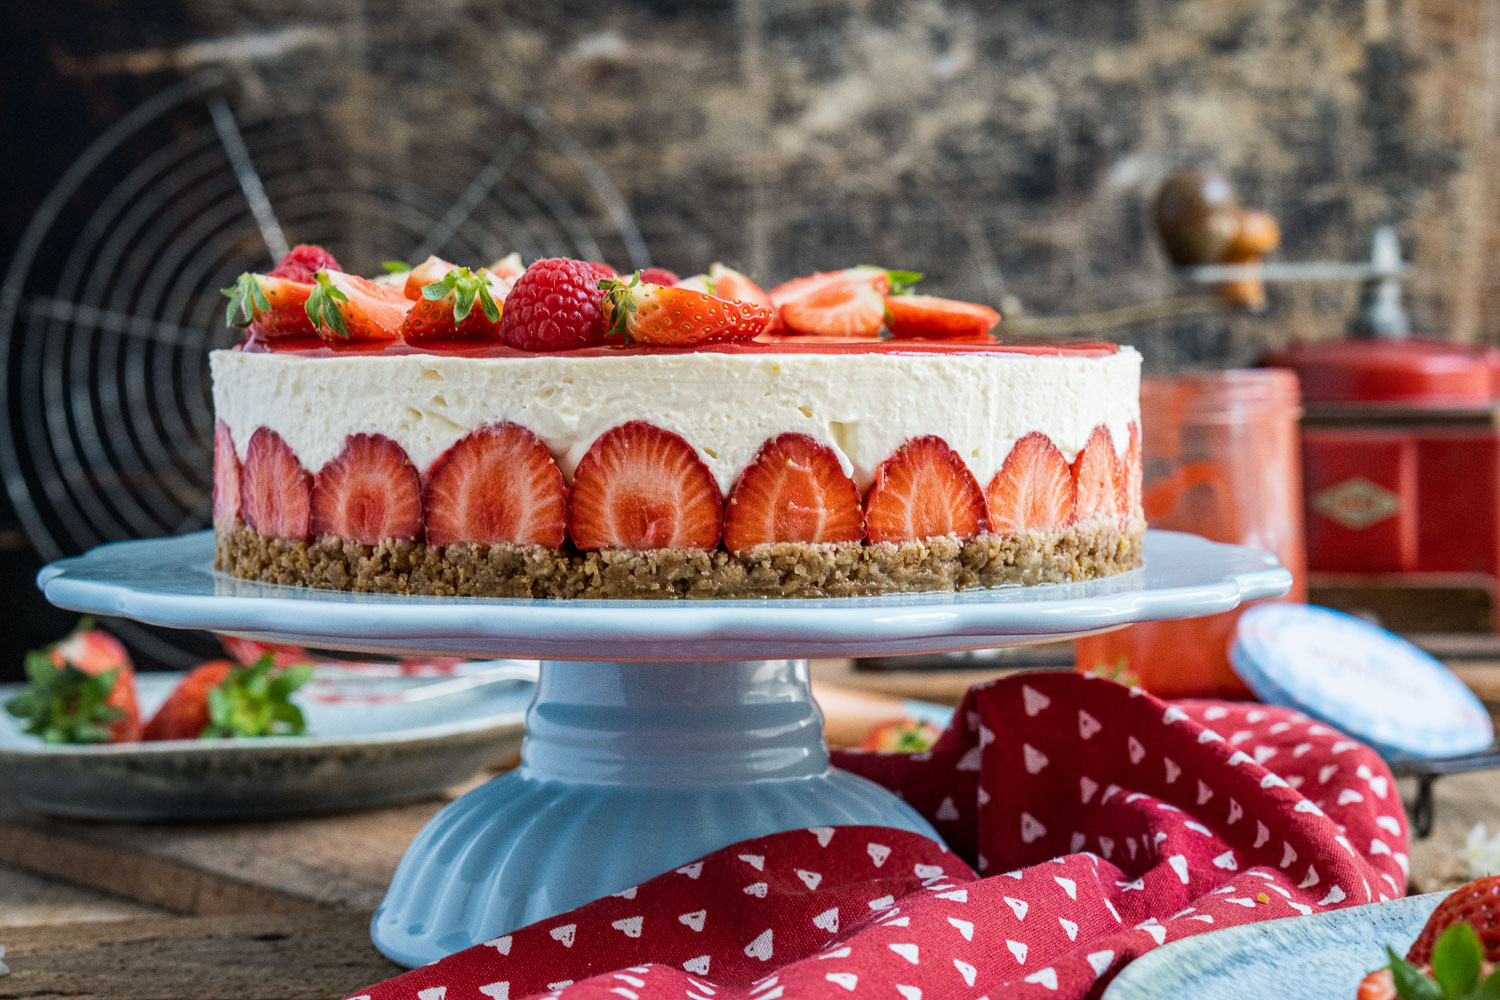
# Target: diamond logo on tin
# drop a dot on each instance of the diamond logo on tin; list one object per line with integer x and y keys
{"x": 1357, "y": 503}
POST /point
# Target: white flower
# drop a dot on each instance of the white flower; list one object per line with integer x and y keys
{"x": 1483, "y": 852}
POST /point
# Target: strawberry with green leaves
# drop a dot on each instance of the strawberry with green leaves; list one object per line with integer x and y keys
{"x": 81, "y": 690}
{"x": 461, "y": 305}
{"x": 220, "y": 698}
{"x": 345, "y": 308}
{"x": 640, "y": 311}
{"x": 1455, "y": 956}
{"x": 273, "y": 306}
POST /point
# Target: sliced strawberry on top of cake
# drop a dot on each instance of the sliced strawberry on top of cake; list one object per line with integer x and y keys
{"x": 345, "y": 308}
{"x": 497, "y": 484}
{"x": 369, "y": 493}
{"x": 419, "y": 277}
{"x": 1034, "y": 489}
{"x": 639, "y": 311}
{"x": 1101, "y": 479}
{"x": 929, "y": 316}
{"x": 794, "y": 490}
{"x": 461, "y": 305}
{"x": 640, "y": 487}
{"x": 274, "y": 305}
{"x": 847, "y": 303}
{"x": 923, "y": 491}
{"x": 275, "y": 491}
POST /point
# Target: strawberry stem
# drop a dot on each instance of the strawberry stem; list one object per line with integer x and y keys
{"x": 322, "y": 305}
{"x": 466, "y": 287}
{"x": 256, "y": 701}
{"x": 395, "y": 266}
{"x": 246, "y": 298}
{"x": 620, "y": 303}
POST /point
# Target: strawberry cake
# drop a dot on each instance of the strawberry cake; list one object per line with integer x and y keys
{"x": 561, "y": 431}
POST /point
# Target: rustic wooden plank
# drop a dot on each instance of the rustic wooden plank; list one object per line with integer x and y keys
{"x": 281, "y": 866}
{"x": 310, "y": 956}
{"x": 28, "y": 900}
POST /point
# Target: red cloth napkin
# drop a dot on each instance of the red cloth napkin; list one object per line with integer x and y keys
{"x": 1119, "y": 822}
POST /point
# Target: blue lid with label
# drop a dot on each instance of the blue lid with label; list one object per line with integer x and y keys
{"x": 1360, "y": 678}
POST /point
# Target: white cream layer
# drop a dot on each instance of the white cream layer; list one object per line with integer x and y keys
{"x": 726, "y": 405}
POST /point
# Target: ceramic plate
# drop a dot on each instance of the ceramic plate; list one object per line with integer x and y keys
{"x": 355, "y": 756}
{"x": 171, "y": 582}
{"x": 1318, "y": 957}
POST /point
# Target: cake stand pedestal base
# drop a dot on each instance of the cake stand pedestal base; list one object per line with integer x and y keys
{"x": 628, "y": 770}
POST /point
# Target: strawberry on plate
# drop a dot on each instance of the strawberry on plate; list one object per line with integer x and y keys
{"x": 1455, "y": 956}
{"x": 369, "y": 493}
{"x": 220, "y": 698}
{"x": 345, "y": 307}
{"x": 226, "y": 495}
{"x": 1034, "y": 489}
{"x": 1101, "y": 478}
{"x": 901, "y": 736}
{"x": 275, "y": 491}
{"x": 461, "y": 305}
{"x": 658, "y": 314}
{"x": 498, "y": 484}
{"x": 794, "y": 490}
{"x": 923, "y": 491}
{"x": 930, "y": 316}
{"x": 80, "y": 689}
{"x": 556, "y": 305}
{"x": 640, "y": 487}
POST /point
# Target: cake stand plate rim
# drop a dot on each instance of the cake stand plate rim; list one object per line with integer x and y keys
{"x": 169, "y": 582}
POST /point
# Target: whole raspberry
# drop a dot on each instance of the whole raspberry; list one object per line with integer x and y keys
{"x": 555, "y": 306}
{"x": 659, "y": 276}
{"x": 603, "y": 268}
{"x": 303, "y": 261}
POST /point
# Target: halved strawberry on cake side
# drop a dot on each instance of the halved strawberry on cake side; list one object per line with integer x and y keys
{"x": 793, "y": 490}
{"x": 924, "y": 491}
{"x": 639, "y": 487}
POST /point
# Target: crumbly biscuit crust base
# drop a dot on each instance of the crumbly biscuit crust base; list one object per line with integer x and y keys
{"x": 783, "y": 569}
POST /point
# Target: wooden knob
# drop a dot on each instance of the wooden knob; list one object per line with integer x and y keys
{"x": 1198, "y": 216}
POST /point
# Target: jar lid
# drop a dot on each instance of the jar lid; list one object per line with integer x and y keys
{"x": 1431, "y": 372}
{"x": 1359, "y": 678}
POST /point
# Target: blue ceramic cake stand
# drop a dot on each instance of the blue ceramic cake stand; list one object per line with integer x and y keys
{"x": 660, "y": 731}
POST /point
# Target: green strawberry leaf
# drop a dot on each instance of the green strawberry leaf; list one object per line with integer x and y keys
{"x": 1456, "y": 959}
{"x": 62, "y": 704}
{"x": 1410, "y": 982}
{"x": 322, "y": 306}
{"x": 1489, "y": 989}
{"x": 395, "y": 266}
{"x": 617, "y": 294}
{"x": 256, "y": 701}
{"x": 246, "y": 298}
{"x": 902, "y": 282}
{"x": 488, "y": 304}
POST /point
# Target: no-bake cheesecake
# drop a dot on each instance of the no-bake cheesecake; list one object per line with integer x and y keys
{"x": 681, "y": 445}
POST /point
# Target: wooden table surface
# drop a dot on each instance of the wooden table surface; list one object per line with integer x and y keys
{"x": 280, "y": 909}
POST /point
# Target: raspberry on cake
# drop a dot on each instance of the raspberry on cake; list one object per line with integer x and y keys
{"x": 835, "y": 436}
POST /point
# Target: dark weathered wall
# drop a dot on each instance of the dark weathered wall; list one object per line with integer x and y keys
{"x": 1006, "y": 148}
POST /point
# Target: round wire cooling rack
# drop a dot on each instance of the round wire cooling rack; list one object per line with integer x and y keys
{"x": 111, "y": 304}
